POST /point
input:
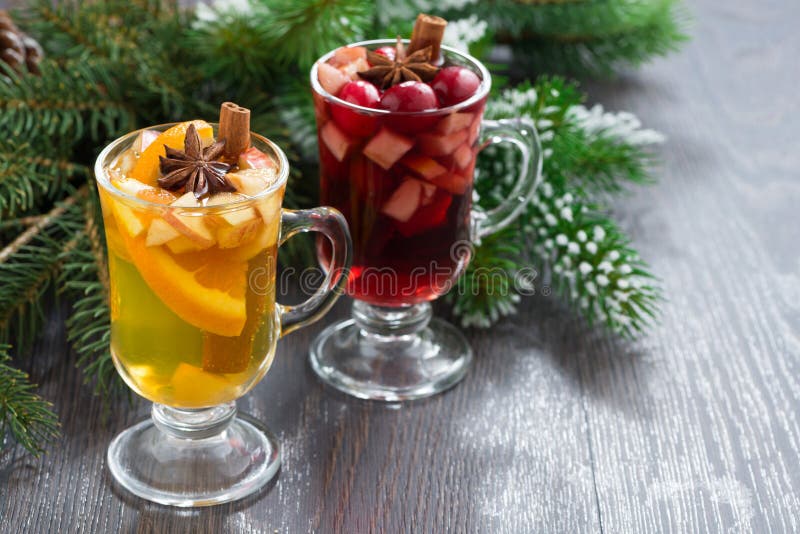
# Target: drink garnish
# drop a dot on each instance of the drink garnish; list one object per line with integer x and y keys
{"x": 386, "y": 72}
{"x": 428, "y": 32}
{"x": 195, "y": 169}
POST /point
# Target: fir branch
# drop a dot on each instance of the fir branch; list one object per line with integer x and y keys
{"x": 250, "y": 45}
{"x": 28, "y": 266}
{"x": 61, "y": 104}
{"x": 133, "y": 45}
{"x": 233, "y": 47}
{"x": 28, "y": 176}
{"x": 606, "y": 152}
{"x": 594, "y": 37}
{"x": 27, "y": 416}
{"x": 296, "y": 111}
{"x": 591, "y": 260}
{"x": 602, "y": 55}
{"x": 303, "y": 30}
{"x": 588, "y": 257}
{"x": 489, "y": 289}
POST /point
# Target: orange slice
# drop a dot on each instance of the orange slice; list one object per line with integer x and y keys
{"x": 146, "y": 169}
{"x": 204, "y": 289}
{"x": 156, "y": 195}
{"x": 195, "y": 388}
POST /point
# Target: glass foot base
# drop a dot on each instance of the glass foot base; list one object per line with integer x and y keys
{"x": 391, "y": 367}
{"x": 180, "y": 471}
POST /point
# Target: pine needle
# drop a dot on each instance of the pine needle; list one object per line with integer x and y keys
{"x": 28, "y": 268}
{"x": 23, "y": 413}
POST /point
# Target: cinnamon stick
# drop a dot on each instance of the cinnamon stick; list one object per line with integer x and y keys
{"x": 234, "y": 127}
{"x": 428, "y": 31}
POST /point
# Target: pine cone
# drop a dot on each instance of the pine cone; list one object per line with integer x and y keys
{"x": 17, "y": 48}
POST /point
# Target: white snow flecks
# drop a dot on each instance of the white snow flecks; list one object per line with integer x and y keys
{"x": 461, "y": 33}
{"x": 723, "y": 490}
{"x": 622, "y": 125}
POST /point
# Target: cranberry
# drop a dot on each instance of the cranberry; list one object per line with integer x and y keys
{"x": 361, "y": 93}
{"x": 455, "y": 84}
{"x": 388, "y": 51}
{"x": 409, "y": 96}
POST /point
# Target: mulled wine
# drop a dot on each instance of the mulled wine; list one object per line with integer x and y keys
{"x": 398, "y": 161}
{"x": 400, "y": 124}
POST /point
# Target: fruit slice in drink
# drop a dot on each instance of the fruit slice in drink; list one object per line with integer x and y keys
{"x": 146, "y": 168}
{"x": 204, "y": 290}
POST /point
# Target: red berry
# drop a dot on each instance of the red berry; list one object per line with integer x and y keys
{"x": 388, "y": 51}
{"x": 360, "y": 93}
{"x": 455, "y": 84}
{"x": 409, "y": 96}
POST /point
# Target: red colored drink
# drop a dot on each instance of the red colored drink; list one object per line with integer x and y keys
{"x": 401, "y": 176}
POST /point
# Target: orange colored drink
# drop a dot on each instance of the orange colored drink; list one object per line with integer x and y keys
{"x": 193, "y": 316}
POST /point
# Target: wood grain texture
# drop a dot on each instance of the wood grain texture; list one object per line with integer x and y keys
{"x": 557, "y": 428}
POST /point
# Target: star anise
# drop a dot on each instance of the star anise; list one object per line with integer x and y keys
{"x": 195, "y": 168}
{"x": 387, "y": 72}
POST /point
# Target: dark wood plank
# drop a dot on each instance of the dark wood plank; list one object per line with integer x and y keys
{"x": 695, "y": 429}
{"x": 480, "y": 458}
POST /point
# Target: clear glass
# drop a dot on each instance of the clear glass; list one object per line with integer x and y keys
{"x": 194, "y": 326}
{"x": 372, "y": 161}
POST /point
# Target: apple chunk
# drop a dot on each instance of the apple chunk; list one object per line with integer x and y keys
{"x": 233, "y": 236}
{"x": 160, "y": 232}
{"x": 137, "y": 189}
{"x": 404, "y": 201}
{"x": 131, "y": 186}
{"x": 144, "y": 139}
{"x": 127, "y": 219}
{"x": 235, "y": 226}
{"x": 251, "y": 182}
{"x": 455, "y": 122}
{"x": 387, "y": 147}
{"x": 330, "y": 78}
{"x": 253, "y": 158}
{"x": 474, "y": 130}
{"x": 336, "y": 140}
{"x": 191, "y": 226}
{"x": 426, "y": 167}
{"x": 463, "y": 156}
{"x": 347, "y": 54}
{"x": 441, "y": 145}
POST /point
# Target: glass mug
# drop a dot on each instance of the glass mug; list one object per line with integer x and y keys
{"x": 403, "y": 181}
{"x": 193, "y": 330}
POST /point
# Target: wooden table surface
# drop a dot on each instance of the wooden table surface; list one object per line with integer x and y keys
{"x": 556, "y": 428}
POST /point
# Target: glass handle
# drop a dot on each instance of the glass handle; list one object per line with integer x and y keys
{"x": 521, "y": 133}
{"x": 330, "y": 223}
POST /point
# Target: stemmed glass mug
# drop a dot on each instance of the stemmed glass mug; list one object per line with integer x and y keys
{"x": 404, "y": 182}
{"x": 193, "y": 328}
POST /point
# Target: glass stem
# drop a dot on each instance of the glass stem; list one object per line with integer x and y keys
{"x": 193, "y": 424}
{"x": 391, "y": 322}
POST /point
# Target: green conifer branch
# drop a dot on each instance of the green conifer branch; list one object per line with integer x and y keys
{"x": 581, "y": 37}
{"x": 60, "y": 105}
{"x": 574, "y": 246}
{"x": 28, "y": 176}
{"x": 28, "y": 267}
{"x": 292, "y": 23}
{"x": 23, "y": 413}
{"x": 131, "y": 45}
